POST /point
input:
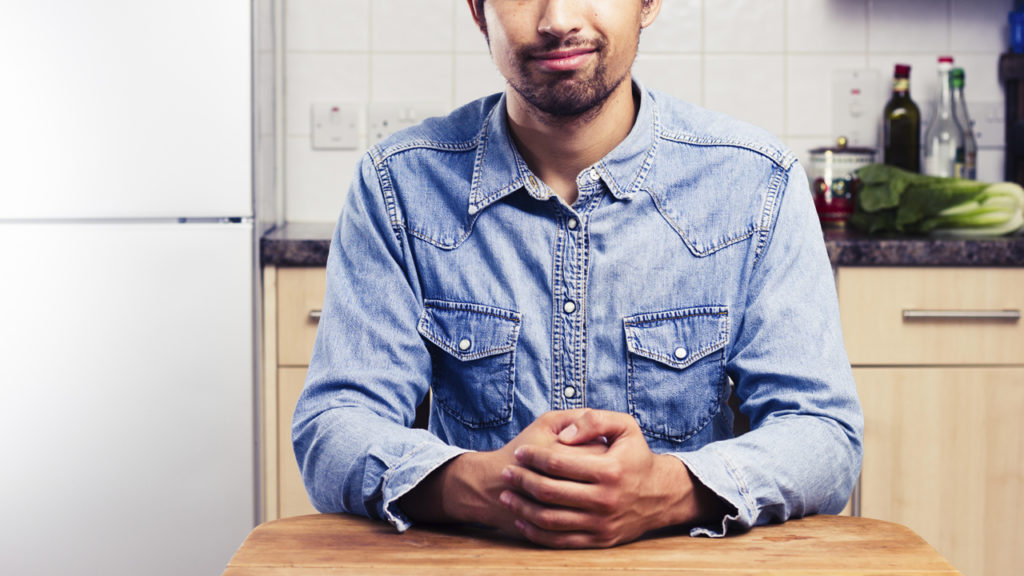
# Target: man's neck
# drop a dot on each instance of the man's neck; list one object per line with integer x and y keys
{"x": 558, "y": 149}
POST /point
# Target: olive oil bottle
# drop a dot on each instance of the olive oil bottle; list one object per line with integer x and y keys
{"x": 902, "y": 124}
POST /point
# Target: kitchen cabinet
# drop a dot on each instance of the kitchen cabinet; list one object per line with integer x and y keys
{"x": 938, "y": 356}
{"x": 292, "y": 300}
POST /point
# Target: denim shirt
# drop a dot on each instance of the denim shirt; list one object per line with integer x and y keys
{"x": 691, "y": 267}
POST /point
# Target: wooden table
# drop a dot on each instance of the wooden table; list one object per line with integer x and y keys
{"x": 818, "y": 545}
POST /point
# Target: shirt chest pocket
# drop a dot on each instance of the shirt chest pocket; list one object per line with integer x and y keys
{"x": 473, "y": 353}
{"x": 676, "y": 380}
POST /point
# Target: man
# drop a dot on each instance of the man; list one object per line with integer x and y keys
{"x": 576, "y": 269}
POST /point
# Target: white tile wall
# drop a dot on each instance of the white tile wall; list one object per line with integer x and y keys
{"x": 765, "y": 61}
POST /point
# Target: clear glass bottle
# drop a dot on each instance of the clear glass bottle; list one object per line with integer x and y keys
{"x": 967, "y": 153}
{"x": 902, "y": 124}
{"x": 943, "y": 136}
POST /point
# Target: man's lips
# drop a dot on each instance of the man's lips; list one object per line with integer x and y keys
{"x": 564, "y": 60}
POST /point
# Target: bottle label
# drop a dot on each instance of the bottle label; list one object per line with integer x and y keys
{"x": 966, "y": 165}
{"x": 901, "y": 85}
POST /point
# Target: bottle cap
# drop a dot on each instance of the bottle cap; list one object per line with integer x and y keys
{"x": 957, "y": 77}
{"x": 902, "y": 71}
{"x": 946, "y": 59}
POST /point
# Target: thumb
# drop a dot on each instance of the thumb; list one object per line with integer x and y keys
{"x": 595, "y": 426}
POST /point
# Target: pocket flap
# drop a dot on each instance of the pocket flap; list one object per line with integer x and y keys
{"x": 678, "y": 338}
{"x": 469, "y": 331}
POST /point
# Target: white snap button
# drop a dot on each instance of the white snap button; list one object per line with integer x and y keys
{"x": 465, "y": 344}
{"x": 569, "y": 307}
{"x": 570, "y": 392}
{"x": 594, "y": 175}
{"x": 680, "y": 353}
{"x": 573, "y": 223}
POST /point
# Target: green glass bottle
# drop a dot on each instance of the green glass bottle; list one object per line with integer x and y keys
{"x": 902, "y": 124}
{"x": 967, "y": 153}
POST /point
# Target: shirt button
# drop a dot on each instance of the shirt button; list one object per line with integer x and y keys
{"x": 594, "y": 175}
{"x": 680, "y": 353}
{"x": 570, "y": 392}
{"x": 465, "y": 344}
{"x": 569, "y": 307}
{"x": 573, "y": 223}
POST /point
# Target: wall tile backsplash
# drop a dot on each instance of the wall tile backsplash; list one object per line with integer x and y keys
{"x": 768, "y": 62}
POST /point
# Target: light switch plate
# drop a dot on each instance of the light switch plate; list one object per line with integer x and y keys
{"x": 335, "y": 126}
{"x": 386, "y": 118}
{"x": 857, "y": 105}
{"x": 987, "y": 121}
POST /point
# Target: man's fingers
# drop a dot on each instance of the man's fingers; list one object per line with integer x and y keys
{"x": 579, "y": 463}
{"x": 548, "y": 490}
{"x": 545, "y": 516}
{"x": 563, "y": 540}
{"x": 556, "y": 527}
{"x": 558, "y": 420}
{"x": 597, "y": 426}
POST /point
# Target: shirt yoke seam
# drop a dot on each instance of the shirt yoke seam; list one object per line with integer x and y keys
{"x": 782, "y": 159}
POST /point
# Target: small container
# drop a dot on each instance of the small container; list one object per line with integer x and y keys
{"x": 834, "y": 182}
{"x": 1017, "y": 31}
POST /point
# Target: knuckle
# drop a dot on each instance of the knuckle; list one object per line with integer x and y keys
{"x": 612, "y": 473}
{"x": 555, "y": 462}
{"x": 607, "y": 503}
{"x": 546, "y": 519}
{"x": 606, "y": 541}
{"x": 544, "y": 492}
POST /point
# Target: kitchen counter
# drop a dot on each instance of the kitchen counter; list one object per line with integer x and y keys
{"x": 297, "y": 245}
{"x": 307, "y": 245}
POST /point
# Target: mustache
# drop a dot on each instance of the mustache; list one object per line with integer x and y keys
{"x": 557, "y": 44}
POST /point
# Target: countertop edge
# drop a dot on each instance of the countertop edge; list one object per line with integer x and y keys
{"x": 308, "y": 244}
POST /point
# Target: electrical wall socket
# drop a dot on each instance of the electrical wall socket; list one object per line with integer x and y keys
{"x": 857, "y": 105}
{"x": 336, "y": 126}
{"x": 386, "y": 118}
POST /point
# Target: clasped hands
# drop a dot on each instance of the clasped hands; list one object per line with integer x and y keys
{"x": 572, "y": 479}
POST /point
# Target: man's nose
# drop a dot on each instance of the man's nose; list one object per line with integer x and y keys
{"x": 561, "y": 18}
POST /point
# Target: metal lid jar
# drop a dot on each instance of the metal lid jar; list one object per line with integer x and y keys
{"x": 834, "y": 181}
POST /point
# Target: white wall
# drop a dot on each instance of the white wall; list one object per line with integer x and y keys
{"x": 765, "y": 61}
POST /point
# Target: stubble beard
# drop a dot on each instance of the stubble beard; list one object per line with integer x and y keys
{"x": 565, "y": 95}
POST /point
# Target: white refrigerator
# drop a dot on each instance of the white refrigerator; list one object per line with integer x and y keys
{"x": 127, "y": 286}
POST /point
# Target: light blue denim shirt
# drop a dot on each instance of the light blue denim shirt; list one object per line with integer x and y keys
{"x": 691, "y": 267}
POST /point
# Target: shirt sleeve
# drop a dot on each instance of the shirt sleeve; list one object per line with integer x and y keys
{"x": 792, "y": 376}
{"x": 369, "y": 370}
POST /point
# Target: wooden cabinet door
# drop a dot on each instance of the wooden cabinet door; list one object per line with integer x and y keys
{"x": 944, "y": 455}
{"x": 300, "y": 295}
{"x": 292, "y": 498}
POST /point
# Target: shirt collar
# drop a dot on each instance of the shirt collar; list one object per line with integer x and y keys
{"x": 500, "y": 170}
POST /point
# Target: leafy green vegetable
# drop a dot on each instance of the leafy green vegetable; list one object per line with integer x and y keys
{"x": 895, "y": 200}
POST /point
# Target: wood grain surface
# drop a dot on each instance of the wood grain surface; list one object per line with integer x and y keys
{"x": 818, "y": 545}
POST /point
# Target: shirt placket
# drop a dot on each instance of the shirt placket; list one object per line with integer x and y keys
{"x": 570, "y": 313}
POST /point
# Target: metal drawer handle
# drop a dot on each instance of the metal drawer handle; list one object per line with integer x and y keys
{"x": 993, "y": 315}
{"x": 315, "y": 314}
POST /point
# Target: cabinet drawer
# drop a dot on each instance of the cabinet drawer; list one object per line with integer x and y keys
{"x": 300, "y": 294}
{"x": 932, "y": 316}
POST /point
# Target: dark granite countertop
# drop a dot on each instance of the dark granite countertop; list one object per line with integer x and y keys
{"x": 307, "y": 245}
{"x": 296, "y": 245}
{"x": 854, "y": 248}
